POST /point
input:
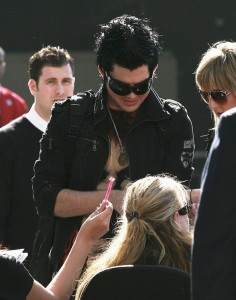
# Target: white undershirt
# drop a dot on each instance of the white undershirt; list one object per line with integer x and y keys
{"x": 35, "y": 119}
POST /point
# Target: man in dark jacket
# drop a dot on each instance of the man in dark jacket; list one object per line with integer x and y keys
{"x": 126, "y": 130}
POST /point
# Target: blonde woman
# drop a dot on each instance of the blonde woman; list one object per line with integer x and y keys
{"x": 153, "y": 229}
{"x": 215, "y": 78}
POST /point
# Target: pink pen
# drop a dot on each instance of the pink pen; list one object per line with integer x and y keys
{"x": 111, "y": 180}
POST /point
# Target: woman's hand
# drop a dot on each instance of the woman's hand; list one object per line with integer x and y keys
{"x": 193, "y": 213}
{"x": 97, "y": 224}
{"x": 194, "y": 197}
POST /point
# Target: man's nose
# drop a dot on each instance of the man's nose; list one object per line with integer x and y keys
{"x": 60, "y": 88}
{"x": 132, "y": 95}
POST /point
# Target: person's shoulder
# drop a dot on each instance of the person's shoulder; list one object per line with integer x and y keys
{"x": 78, "y": 100}
{"x": 227, "y": 121}
{"x": 172, "y": 105}
{"x": 229, "y": 114}
{"x": 7, "y": 93}
{"x": 14, "y": 125}
{"x": 14, "y": 271}
{"x": 12, "y": 133}
{"x": 177, "y": 111}
{"x": 6, "y": 264}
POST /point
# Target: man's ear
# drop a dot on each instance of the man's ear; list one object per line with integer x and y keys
{"x": 101, "y": 72}
{"x": 4, "y": 64}
{"x": 2, "y": 68}
{"x": 32, "y": 86}
{"x": 154, "y": 71}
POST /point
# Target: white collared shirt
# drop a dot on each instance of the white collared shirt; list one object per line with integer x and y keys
{"x": 35, "y": 119}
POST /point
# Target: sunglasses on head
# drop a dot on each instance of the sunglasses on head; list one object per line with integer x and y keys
{"x": 218, "y": 96}
{"x": 123, "y": 89}
{"x": 184, "y": 210}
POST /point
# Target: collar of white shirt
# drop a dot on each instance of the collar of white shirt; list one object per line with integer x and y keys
{"x": 35, "y": 119}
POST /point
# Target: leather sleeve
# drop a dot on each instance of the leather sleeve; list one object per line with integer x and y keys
{"x": 179, "y": 141}
{"x": 51, "y": 167}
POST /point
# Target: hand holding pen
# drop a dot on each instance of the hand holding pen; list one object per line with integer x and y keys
{"x": 111, "y": 181}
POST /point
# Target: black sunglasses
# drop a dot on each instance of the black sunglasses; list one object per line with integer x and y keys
{"x": 185, "y": 210}
{"x": 123, "y": 89}
{"x": 218, "y": 96}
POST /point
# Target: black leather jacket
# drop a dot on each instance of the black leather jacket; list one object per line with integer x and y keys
{"x": 159, "y": 141}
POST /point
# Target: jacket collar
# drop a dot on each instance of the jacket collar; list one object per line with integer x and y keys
{"x": 152, "y": 109}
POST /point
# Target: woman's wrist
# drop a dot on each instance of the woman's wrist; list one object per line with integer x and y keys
{"x": 84, "y": 239}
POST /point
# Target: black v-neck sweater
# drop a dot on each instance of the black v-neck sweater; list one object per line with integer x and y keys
{"x": 19, "y": 148}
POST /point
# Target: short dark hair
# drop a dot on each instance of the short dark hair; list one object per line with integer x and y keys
{"x": 127, "y": 41}
{"x": 48, "y": 56}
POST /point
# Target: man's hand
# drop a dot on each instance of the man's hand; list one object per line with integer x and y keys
{"x": 193, "y": 213}
{"x": 194, "y": 197}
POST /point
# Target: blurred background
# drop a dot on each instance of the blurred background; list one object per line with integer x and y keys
{"x": 186, "y": 29}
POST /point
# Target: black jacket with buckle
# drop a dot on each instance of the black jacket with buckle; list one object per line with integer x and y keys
{"x": 160, "y": 140}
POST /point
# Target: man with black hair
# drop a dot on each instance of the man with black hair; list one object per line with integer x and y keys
{"x": 125, "y": 130}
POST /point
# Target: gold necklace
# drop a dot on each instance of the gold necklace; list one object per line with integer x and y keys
{"x": 123, "y": 158}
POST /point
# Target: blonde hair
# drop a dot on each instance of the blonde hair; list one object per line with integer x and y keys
{"x": 217, "y": 69}
{"x": 147, "y": 226}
